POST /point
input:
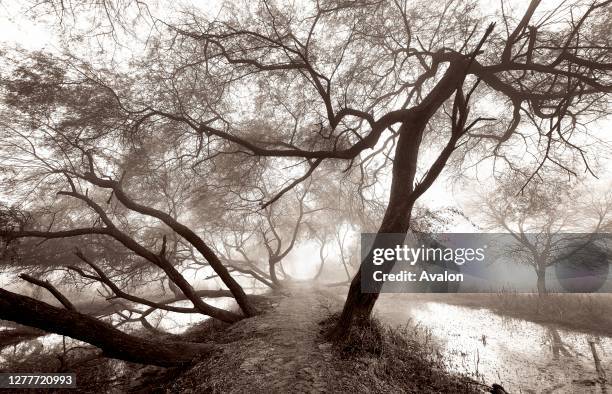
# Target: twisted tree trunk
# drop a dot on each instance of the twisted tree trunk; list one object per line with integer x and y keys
{"x": 359, "y": 305}
{"x": 113, "y": 342}
{"x": 403, "y": 194}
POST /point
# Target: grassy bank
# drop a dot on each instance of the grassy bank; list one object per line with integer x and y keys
{"x": 399, "y": 359}
{"x": 590, "y": 313}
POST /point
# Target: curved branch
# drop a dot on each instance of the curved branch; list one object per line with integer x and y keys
{"x": 367, "y": 142}
{"x": 103, "y": 278}
{"x": 293, "y": 184}
{"x": 184, "y": 232}
{"x": 158, "y": 260}
{"x": 47, "y": 285}
{"x": 54, "y": 234}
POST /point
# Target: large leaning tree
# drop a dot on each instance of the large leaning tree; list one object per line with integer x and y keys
{"x": 392, "y": 91}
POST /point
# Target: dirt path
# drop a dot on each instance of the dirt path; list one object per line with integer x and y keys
{"x": 283, "y": 360}
{"x": 282, "y": 351}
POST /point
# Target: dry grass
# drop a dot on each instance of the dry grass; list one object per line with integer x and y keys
{"x": 403, "y": 357}
{"x": 590, "y": 313}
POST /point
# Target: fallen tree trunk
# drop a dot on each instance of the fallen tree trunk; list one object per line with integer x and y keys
{"x": 113, "y": 342}
{"x": 14, "y": 336}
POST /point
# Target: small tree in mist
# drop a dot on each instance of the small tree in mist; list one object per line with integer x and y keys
{"x": 259, "y": 247}
{"x": 545, "y": 217}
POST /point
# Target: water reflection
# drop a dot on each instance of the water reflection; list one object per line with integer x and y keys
{"x": 522, "y": 356}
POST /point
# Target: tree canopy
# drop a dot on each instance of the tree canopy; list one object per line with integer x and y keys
{"x": 180, "y": 127}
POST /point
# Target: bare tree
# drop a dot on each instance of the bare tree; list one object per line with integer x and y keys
{"x": 547, "y": 218}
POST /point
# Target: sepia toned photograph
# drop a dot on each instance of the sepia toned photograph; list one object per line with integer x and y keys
{"x": 306, "y": 196}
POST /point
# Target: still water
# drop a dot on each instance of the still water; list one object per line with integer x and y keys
{"x": 522, "y": 356}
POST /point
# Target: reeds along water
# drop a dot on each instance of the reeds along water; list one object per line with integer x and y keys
{"x": 519, "y": 354}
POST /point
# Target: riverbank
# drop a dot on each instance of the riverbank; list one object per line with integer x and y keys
{"x": 284, "y": 350}
{"x": 587, "y": 313}
{"x": 523, "y": 356}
